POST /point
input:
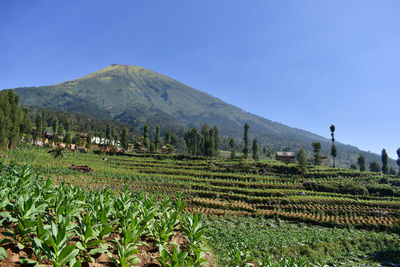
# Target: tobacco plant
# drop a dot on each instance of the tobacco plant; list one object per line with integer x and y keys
{"x": 53, "y": 240}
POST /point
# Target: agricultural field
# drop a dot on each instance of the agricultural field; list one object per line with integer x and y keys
{"x": 319, "y": 208}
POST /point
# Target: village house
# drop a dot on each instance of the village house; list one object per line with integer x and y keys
{"x": 286, "y": 157}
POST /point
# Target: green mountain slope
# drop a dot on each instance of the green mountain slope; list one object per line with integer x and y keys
{"x": 137, "y": 95}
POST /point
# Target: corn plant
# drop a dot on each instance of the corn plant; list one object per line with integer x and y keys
{"x": 53, "y": 240}
{"x": 176, "y": 258}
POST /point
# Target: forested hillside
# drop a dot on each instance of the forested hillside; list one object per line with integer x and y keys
{"x": 137, "y": 96}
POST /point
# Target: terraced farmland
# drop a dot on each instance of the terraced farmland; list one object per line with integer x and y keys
{"x": 319, "y": 195}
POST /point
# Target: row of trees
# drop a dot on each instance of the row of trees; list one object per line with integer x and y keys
{"x": 155, "y": 144}
{"x": 204, "y": 143}
{"x": 375, "y": 167}
{"x": 14, "y": 120}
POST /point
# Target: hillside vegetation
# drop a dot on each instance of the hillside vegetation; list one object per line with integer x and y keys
{"x": 138, "y": 96}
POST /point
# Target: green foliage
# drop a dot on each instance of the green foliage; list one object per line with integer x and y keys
{"x": 146, "y": 141}
{"x": 58, "y": 152}
{"x": 317, "y": 148}
{"x": 302, "y": 158}
{"x": 271, "y": 242}
{"x": 255, "y": 149}
{"x": 232, "y": 145}
{"x": 68, "y": 225}
{"x": 374, "y": 167}
{"x": 385, "y": 161}
{"x": 361, "y": 162}
{"x": 246, "y": 141}
{"x": 11, "y": 119}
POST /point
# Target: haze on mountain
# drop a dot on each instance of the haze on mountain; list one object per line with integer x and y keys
{"x": 138, "y": 96}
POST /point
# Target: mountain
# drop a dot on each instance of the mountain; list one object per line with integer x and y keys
{"x": 137, "y": 96}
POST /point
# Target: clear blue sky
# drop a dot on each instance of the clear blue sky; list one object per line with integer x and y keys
{"x": 307, "y": 64}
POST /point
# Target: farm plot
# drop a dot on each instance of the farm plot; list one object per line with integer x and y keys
{"x": 322, "y": 196}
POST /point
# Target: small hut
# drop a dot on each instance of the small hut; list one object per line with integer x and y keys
{"x": 286, "y": 157}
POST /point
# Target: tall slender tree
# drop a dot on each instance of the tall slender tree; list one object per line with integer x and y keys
{"x": 232, "y": 145}
{"x": 68, "y": 139}
{"x": 246, "y": 141}
{"x": 168, "y": 137}
{"x": 205, "y": 139}
{"x": 55, "y": 126}
{"x": 210, "y": 146}
{"x": 302, "y": 158}
{"x": 146, "y": 142}
{"x": 333, "y": 148}
{"x": 89, "y": 138}
{"x": 11, "y": 116}
{"x": 216, "y": 140}
{"x": 158, "y": 141}
{"x": 385, "y": 161}
{"x": 361, "y": 162}
{"x": 68, "y": 126}
{"x": 37, "y": 133}
{"x": 255, "y": 149}
{"x": 108, "y": 134}
{"x": 125, "y": 138}
{"x": 317, "y": 157}
{"x": 398, "y": 159}
{"x": 26, "y": 125}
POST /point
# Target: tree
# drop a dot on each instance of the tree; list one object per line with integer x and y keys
{"x": 205, "y": 139}
{"x": 353, "y": 166}
{"x": 77, "y": 141}
{"x": 361, "y": 162}
{"x": 37, "y": 133}
{"x": 216, "y": 140}
{"x": 152, "y": 146}
{"x": 317, "y": 157}
{"x": 146, "y": 136}
{"x": 116, "y": 139}
{"x": 125, "y": 138}
{"x": 158, "y": 141}
{"x": 392, "y": 171}
{"x": 108, "y": 134}
{"x": 68, "y": 126}
{"x": 68, "y": 139}
{"x": 333, "y": 148}
{"x": 255, "y": 149}
{"x": 398, "y": 159}
{"x": 374, "y": 167}
{"x": 55, "y": 126}
{"x": 385, "y": 161}
{"x": 302, "y": 158}
{"x": 193, "y": 141}
{"x": 89, "y": 140}
{"x": 26, "y": 125}
{"x": 168, "y": 137}
{"x": 210, "y": 146}
{"x": 11, "y": 116}
{"x": 60, "y": 130}
{"x": 246, "y": 141}
{"x": 232, "y": 145}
